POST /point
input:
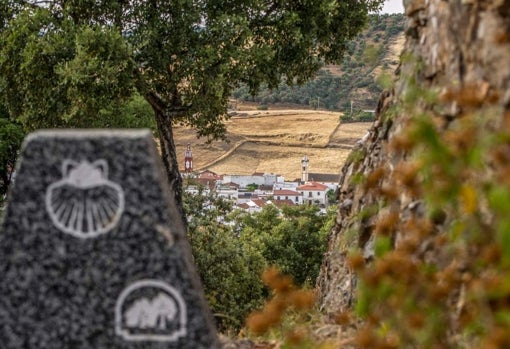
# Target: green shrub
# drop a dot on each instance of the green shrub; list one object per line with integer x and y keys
{"x": 11, "y": 136}
{"x": 293, "y": 240}
{"x": 229, "y": 266}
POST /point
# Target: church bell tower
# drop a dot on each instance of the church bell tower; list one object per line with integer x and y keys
{"x": 304, "y": 169}
{"x": 188, "y": 160}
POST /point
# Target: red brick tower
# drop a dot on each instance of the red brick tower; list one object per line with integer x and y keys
{"x": 188, "y": 160}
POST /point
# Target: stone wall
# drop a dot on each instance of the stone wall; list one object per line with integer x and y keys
{"x": 458, "y": 49}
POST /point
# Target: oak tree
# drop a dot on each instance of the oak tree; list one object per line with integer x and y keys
{"x": 11, "y": 136}
{"x": 63, "y": 61}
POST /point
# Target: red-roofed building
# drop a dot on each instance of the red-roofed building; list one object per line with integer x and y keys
{"x": 244, "y": 206}
{"x": 229, "y": 185}
{"x": 280, "y": 203}
{"x": 252, "y": 206}
{"x": 207, "y": 179}
{"x": 207, "y": 174}
{"x": 285, "y": 194}
{"x": 314, "y": 193}
{"x": 259, "y": 202}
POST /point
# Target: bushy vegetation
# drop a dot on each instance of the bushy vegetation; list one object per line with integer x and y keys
{"x": 293, "y": 238}
{"x": 356, "y": 80}
{"x": 232, "y": 249}
{"x": 134, "y": 113}
{"x": 440, "y": 278}
{"x": 11, "y": 136}
{"x": 228, "y": 265}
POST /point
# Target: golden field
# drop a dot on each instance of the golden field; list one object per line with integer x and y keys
{"x": 274, "y": 141}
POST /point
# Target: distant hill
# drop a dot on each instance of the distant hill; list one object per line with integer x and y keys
{"x": 374, "y": 54}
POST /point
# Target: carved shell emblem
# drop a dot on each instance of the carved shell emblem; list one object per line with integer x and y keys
{"x": 84, "y": 203}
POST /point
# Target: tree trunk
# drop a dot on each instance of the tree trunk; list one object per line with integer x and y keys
{"x": 164, "y": 115}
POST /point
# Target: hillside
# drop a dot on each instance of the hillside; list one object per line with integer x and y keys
{"x": 359, "y": 78}
{"x": 275, "y": 141}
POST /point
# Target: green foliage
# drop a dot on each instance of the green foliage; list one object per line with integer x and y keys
{"x": 135, "y": 113}
{"x": 11, "y": 136}
{"x": 229, "y": 267}
{"x": 69, "y": 59}
{"x": 66, "y": 73}
{"x": 332, "y": 198}
{"x": 294, "y": 240}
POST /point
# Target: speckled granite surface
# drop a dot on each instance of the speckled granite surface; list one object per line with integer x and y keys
{"x": 93, "y": 252}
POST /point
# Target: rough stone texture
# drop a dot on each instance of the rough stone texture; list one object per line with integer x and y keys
{"x": 450, "y": 46}
{"x": 117, "y": 278}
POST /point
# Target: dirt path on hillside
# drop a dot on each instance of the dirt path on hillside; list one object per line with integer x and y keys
{"x": 224, "y": 156}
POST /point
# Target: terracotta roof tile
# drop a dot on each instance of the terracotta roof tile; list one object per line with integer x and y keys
{"x": 313, "y": 186}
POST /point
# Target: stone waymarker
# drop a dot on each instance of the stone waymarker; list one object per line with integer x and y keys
{"x": 93, "y": 252}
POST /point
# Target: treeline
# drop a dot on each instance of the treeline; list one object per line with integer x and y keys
{"x": 354, "y": 80}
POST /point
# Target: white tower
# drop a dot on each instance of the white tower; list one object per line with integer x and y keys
{"x": 188, "y": 160}
{"x": 304, "y": 169}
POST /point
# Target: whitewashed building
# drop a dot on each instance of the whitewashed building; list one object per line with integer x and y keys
{"x": 314, "y": 193}
{"x": 294, "y": 196}
{"x": 259, "y": 179}
{"x": 286, "y": 185}
{"x": 229, "y": 194}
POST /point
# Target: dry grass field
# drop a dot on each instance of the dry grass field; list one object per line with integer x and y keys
{"x": 275, "y": 141}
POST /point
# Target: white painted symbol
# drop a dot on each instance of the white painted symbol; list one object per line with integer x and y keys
{"x": 84, "y": 203}
{"x": 150, "y": 310}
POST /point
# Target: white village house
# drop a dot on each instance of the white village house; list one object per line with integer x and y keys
{"x": 314, "y": 193}
{"x": 259, "y": 179}
{"x": 285, "y": 194}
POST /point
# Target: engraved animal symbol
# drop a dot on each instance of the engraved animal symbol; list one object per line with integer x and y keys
{"x": 84, "y": 203}
{"x": 151, "y": 314}
{"x": 150, "y": 310}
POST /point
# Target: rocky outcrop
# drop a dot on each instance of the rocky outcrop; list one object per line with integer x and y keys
{"x": 337, "y": 281}
{"x": 460, "y": 51}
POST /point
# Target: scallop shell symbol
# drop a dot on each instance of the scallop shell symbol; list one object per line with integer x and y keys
{"x": 84, "y": 203}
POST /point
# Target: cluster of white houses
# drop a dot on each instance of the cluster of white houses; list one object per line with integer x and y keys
{"x": 253, "y": 192}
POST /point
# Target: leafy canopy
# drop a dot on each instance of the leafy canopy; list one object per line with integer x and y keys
{"x": 11, "y": 136}
{"x": 229, "y": 266}
{"x": 64, "y": 61}
{"x": 293, "y": 239}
